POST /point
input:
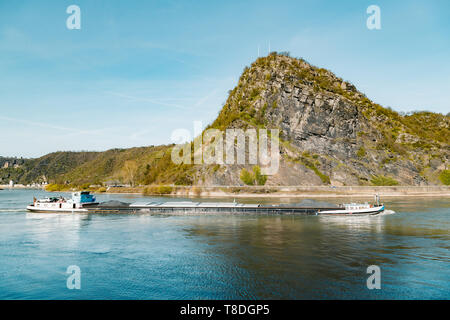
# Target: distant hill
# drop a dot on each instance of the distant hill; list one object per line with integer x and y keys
{"x": 9, "y": 168}
{"x": 48, "y": 167}
{"x": 330, "y": 133}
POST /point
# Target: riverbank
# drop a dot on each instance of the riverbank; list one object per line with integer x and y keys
{"x": 19, "y": 186}
{"x": 289, "y": 191}
{"x": 271, "y": 191}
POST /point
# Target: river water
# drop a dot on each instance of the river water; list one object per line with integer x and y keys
{"x": 141, "y": 256}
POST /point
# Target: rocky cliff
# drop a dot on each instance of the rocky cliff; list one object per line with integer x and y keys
{"x": 330, "y": 134}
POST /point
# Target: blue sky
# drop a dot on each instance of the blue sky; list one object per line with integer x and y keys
{"x": 138, "y": 70}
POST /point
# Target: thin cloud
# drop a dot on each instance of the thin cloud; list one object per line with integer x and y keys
{"x": 72, "y": 131}
{"x": 158, "y": 102}
{"x": 205, "y": 98}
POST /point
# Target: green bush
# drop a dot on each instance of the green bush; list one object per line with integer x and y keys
{"x": 254, "y": 93}
{"x": 246, "y": 177}
{"x": 255, "y": 178}
{"x": 55, "y": 187}
{"x": 165, "y": 189}
{"x": 260, "y": 179}
{"x": 361, "y": 152}
{"x": 158, "y": 190}
{"x": 383, "y": 181}
{"x": 444, "y": 176}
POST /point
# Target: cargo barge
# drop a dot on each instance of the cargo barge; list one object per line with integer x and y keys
{"x": 83, "y": 202}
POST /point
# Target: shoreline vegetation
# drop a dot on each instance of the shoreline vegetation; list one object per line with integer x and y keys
{"x": 260, "y": 191}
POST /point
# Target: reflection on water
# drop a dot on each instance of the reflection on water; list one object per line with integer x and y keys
{"x": 229, "y": 257}
{"x": 357, "y": 224}
{"x": 46, "y": 225}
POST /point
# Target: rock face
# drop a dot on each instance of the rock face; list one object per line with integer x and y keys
{"x": 316, "y": 122}
{"x": 330, "y": 132}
